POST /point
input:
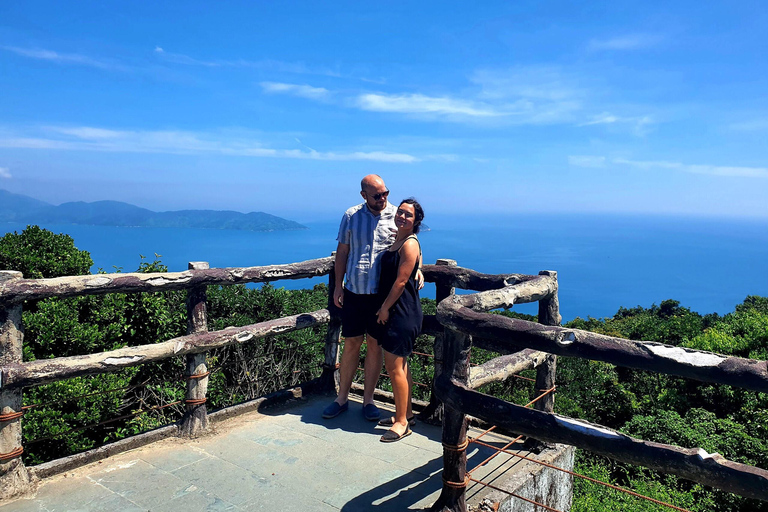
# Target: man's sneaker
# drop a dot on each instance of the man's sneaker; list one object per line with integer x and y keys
{"x": 334, "y": 410}
{"x": 371, "y": 412}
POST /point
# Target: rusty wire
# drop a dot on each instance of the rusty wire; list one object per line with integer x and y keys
{"x": 118, "y": 418}
{"x": 536, "y": 503}
{"x": 52, "y": 402}
{"x": 542, "y": 395}
{"x": 505, "y": 450}
{"x": 585, "y": 477}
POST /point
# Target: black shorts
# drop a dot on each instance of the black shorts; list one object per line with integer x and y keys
{"x": 358, "y": 314}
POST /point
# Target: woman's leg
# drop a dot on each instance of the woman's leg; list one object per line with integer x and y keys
{"x": 397, "y": 369}
{"x": 409, "y": 413}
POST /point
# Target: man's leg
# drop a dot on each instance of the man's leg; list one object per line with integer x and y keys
{"x": 348, "y": 366}
{"x": 373, "y": 361}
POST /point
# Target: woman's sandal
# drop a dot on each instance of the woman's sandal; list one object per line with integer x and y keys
{"x": 388, "y": 422}
{"x": 390, "y": 436}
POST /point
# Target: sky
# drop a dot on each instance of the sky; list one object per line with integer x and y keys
{"x": 491, "y": 107}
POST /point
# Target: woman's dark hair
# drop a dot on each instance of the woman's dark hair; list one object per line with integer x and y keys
{"x": 417, "y": 210}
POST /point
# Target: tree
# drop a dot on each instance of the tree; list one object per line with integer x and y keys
{"x": 37, "y": 253}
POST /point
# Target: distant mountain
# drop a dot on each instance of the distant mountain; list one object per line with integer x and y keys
{"x": 11, "y": 204}
{"x": 19, "y": 208}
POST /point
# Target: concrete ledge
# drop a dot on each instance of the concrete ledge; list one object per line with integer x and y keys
{"x": 539, "y": 483}
{"x": 57, "y": 466}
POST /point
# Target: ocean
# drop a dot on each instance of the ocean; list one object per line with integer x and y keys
{"x": 603, "y": 262}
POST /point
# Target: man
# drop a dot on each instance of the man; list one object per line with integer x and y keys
{"x": 366, "y": 231}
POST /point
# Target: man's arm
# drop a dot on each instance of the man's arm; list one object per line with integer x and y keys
{"x": 340, "y": 267}
{"x": 419, "y": 276}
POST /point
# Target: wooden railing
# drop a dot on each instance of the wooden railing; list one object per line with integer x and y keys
{"x": 466, "y": 322}
{"x": 461, "y": 320}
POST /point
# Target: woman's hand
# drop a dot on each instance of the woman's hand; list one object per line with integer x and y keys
{"x": 383, "y": 316}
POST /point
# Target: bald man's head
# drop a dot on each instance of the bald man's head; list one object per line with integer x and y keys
{"x": 375, "y": 192}
{"x": 371, "y": 181}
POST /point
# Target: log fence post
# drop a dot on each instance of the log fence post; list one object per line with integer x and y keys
{"x": 549, "y": 314}
{"x": 455, "y": 477}
{"x": 433, "y": 413}
{"x": 14, "y": 477}
{"x": 329, "y": 380}
{"x": 195, "y": 420}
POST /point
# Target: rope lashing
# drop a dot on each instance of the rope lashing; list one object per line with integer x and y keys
{"x": 10, "y": 416}
{"x": 457, "y": 485}
{"x": 4, "y": 457}
{"x": 457, "y": 448}
{"x": 198, "y": 375}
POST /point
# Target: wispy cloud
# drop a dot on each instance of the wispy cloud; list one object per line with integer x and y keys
{"x": 640, "y": 125}
{"x": 179, "y": 58}
{"x": 533, "y": 94}
{"x": 543, "y": 83}
{"x": 303, "y": 91}
{"x": 87, "y": 132}
{"x": 298, "y": 68}
{"x": 713, "y": 170}
{"x": 5, "y": 173}
{"x": 595, "y": 162}
{"x": 626, "y": 42}
{"x": 750, "y": 126}
{"x": 421, "y": 104}
{"x": 65, "y": 58}
{"x": 86, "y": 138}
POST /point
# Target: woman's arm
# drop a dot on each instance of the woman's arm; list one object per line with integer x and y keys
{"x": 409, "y": 255}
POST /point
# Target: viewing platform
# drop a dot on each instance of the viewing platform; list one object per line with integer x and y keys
{"x": 284, "y": 458}
{"x": 275, "y": 452}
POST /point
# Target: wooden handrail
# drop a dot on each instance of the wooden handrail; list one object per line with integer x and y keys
{"x": 643, "y": 355}
{"x": 45, "y": 371}
{"x": 691, "y": 463}
{"x": 19, "y": 290}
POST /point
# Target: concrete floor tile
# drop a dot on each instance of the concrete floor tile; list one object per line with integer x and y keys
{"x": 23, "y": 505}
{"x": 196, "y": 501}
{"x": 172, "y": 456}
{"x": 226, "y": 480}
{"x": 140, "y": 482}
{"x": 80, "y": 495}
{"x": 286, "y": 501}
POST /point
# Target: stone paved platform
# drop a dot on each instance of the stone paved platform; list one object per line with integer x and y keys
{"x": 285, "y": 458}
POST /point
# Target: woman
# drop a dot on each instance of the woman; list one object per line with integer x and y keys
{"x": 400, "y": 314}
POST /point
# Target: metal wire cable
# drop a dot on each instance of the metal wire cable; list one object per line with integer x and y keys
{"x": 118, "y": 418}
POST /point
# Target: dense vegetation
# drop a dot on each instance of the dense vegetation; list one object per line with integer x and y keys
{"x": 646, "y": 405}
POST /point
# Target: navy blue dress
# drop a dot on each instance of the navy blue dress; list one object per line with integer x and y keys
{"x": 404, "y": 325}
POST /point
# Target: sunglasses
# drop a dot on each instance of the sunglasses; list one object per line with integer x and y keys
{"x": 379, "y": 197}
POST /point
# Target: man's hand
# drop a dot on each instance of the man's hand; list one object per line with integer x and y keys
{"x": 338, "y": 296}
{"x": 419, "y": 279}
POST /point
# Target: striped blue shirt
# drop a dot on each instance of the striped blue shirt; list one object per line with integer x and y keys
{"x": 368, "y": 236}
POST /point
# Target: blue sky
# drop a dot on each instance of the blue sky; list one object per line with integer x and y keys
{"x": 482, "y": 107}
